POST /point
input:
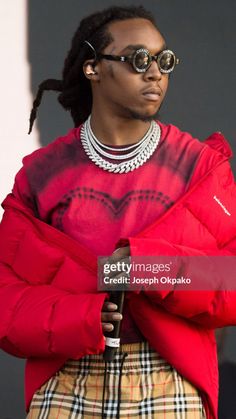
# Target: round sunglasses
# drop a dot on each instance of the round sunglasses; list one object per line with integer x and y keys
{"x": 141, "y": 59}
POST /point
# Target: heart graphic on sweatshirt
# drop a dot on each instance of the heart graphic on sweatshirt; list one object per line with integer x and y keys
{"x": 114, "y": 206}
{"x": 98, "y": 220}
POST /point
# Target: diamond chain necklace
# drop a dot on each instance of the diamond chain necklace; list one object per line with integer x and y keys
{"x": 140, "y": 153}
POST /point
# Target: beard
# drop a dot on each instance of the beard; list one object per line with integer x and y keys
{"x": 139, "y": 116}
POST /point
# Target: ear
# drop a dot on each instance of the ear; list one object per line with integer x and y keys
{"x": 91, "y": 70}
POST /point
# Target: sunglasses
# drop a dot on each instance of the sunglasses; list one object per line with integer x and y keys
{"x": 141, "y": 59}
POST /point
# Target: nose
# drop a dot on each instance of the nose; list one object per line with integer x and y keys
{"x": 153, "y": 72}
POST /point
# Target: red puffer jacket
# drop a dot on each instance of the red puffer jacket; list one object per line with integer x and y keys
{"x": 49, "y": 304}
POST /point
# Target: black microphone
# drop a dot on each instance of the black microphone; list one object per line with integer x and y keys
{"x": 113, "y": 337}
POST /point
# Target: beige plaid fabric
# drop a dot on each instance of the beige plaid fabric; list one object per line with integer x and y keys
{"x": 150, "y": 389}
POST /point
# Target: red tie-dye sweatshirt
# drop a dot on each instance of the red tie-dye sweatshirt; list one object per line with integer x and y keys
{"x": 67, "y": 190}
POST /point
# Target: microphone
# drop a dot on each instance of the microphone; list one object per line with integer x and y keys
{"x": 113, "y": 337}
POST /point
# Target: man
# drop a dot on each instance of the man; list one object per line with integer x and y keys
{"x": 120, "y": 180}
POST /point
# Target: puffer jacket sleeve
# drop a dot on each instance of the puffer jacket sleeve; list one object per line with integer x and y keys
{"x": 47, "y": 307}
{"x": 212, "y": 308}
{"x": 203, "y": 223}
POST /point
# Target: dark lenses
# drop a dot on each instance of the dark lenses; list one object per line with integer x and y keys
{"x": 166, "y": 61}
{"x": 142, "y": 59}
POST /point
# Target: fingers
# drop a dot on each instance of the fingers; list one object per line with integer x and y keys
{"x": 115, "y": 267}
{"x": 109, "y": 315}
{"x": 122, "y": 253}
{"x": 109, "y": 306}
{"x": 107, "y": 327}
{"x": 119, "y": 258}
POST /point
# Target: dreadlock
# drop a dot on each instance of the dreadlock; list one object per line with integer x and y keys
{"x": 75, "y": 89}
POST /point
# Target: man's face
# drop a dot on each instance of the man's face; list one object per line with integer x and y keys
{"x": 121, "y": 90}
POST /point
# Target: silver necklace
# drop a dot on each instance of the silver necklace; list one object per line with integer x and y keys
{"x": 135, "y": 158}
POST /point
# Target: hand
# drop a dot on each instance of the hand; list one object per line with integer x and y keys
{"x": 121, "y": 254}
{"x": 108, "y": 316}
{"x": 120, "y": 278}
{"x": 109, "y": 313}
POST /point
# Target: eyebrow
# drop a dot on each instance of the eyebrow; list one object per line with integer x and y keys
{"x": 139, "y": 46}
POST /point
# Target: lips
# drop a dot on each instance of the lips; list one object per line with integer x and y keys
{"x": 152, "y": 94}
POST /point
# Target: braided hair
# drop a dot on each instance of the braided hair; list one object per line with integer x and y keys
{"x": 75, "y": 89}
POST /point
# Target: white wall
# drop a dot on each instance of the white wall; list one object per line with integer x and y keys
{"x": 16, "y": 99}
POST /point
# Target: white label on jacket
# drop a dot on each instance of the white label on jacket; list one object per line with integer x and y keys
{"x": 222, "y": 206}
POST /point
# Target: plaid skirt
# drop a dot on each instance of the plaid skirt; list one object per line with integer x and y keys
{"x": 149, "y": 388}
